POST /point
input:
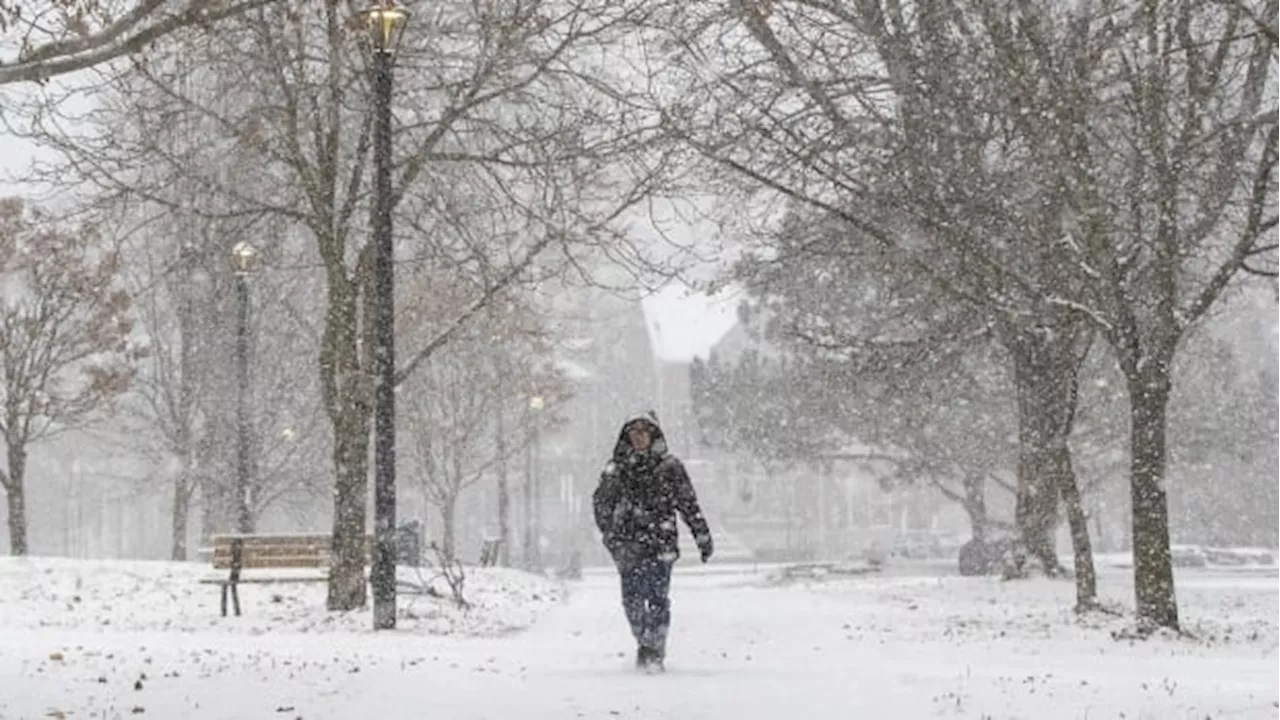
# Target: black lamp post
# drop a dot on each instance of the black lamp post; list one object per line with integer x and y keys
{"x": 244, "y": 261}
{"x": 385, "y": 23}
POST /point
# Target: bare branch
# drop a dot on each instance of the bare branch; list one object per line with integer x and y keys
{"x": 148, "y": 21}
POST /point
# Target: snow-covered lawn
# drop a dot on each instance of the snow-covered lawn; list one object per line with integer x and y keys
{"x": 130, "y": 596}
{"x": 144, "y": 639}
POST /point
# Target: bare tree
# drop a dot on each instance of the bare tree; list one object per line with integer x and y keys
{"x": 997, "y": 146}
{"x": 65, "y": 350}
{"x": 1155, "y": 137}
{"x": 518, "y": 351}
{"x": 1172, "y": 190}
{"x": 450, "y": 405}
{"x": 894, "y": 121}
{"x": 464, "y": 418}
{"x": 170, "y": 388}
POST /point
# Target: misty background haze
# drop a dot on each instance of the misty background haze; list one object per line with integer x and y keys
{"x": 93, "y": 493}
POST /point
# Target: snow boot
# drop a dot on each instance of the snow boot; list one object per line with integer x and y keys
{"x": 649, "y": 660}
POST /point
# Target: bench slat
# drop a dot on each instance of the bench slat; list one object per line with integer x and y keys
{"x": 264, "y": 581}
{"x": 301, "y": 539}
{"x": 274, "y": 551}
{"x": 280, "y": 552}
{"x": 302, "y": 550}
{"x": 224, "y": 563}
{"x": 274, "y": 562}
{"x": 256, "y": 541}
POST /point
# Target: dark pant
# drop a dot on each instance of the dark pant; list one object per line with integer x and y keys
{"x": 645, "y": 584}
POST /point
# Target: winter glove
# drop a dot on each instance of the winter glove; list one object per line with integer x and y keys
{"x": 705, "y": 546}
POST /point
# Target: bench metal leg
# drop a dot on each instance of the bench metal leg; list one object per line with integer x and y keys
{"x": 237, "y": 562}
{"x": 224, "y": 601}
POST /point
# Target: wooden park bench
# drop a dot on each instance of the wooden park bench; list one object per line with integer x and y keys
{"x": 236, "y": 553}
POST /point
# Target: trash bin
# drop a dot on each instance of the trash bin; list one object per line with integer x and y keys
{"x": 409, "y": 543}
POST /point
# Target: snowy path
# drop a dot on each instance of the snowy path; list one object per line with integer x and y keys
{"x": 873, "y": 648}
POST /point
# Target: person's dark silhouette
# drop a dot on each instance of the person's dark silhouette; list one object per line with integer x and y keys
{"x": 641, "y": 489}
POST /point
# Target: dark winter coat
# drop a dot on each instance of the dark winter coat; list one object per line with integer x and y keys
{"x": 638, "y": 498}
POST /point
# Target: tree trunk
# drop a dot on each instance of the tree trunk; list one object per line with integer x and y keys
{"x": 1046, "y": 365}
{"x": 449, "y": 529}
{"x": 347, "y": 589}
{"x": 1082, "y": 549}
{"x": 346, "y": 387}
{"x": 527, "y": 491}
{"x": 181, "y": 511}
{"x": 17, "y": 500}
{"x": 1152, "y": 563}
{"x": 975, "y": 505}
{"x": 535, "y": 495}
{"x": 1043, "y": 429}
{"x": 976, "y": 557}
{"x": 504, "y": 491}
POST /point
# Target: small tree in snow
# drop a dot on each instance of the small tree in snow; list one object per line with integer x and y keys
{"x": 458, "y": 404}
{"x": 64, "y": 339}
{"x": 447, "y": 411}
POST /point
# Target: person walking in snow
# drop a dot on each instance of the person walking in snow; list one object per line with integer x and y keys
{"x": 641, "y": 489}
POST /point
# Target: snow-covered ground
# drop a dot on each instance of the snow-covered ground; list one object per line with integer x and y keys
{"x": 113, "y": 640}
{"x": 142, "y": 596}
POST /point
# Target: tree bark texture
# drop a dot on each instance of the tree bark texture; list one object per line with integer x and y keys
{"x": 1046, "y": 365}
{"x": 17, "y": 500}
{"x": 1082, "y": 548}
{"x": 348, "y": 397}
{"x": 347, "y": 587}
{"x": 1152, "y": 563}
{"x": 449, "y": 528}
